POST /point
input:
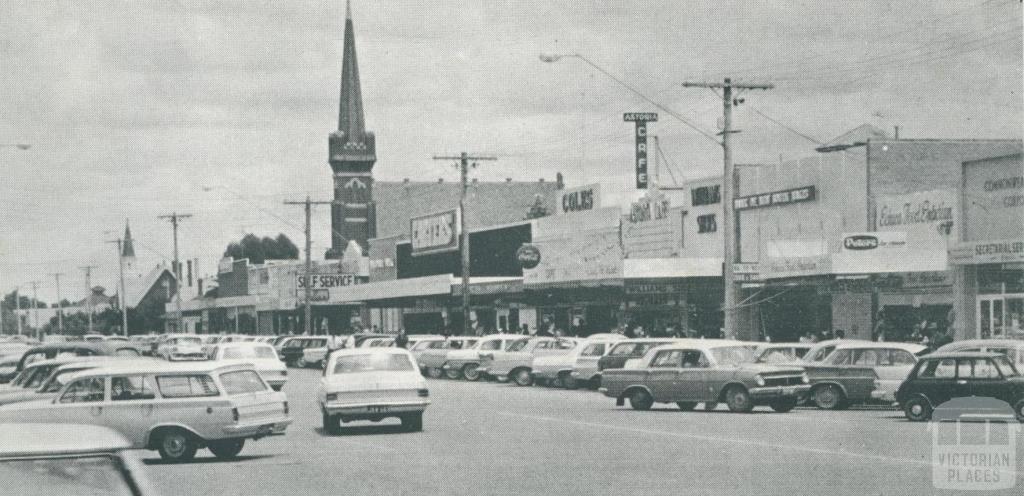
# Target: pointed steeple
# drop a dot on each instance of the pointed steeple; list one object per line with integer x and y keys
{"x": 350, "y": 112}
{"x": 127, "y": 249}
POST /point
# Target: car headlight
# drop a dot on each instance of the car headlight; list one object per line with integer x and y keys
{"x": 759, "y": 380}
{"x": 804, "y": 379}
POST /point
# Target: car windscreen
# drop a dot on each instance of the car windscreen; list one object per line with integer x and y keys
{"x": 733, "y": 355}
{"x": 518, "y": 345}
{"x": 237, "y": 352}
{"x": 80, "y": 475}
{"x": 58, "y": 380}
{"x": 242, "y": 382}
{"x": 373, "y": 363}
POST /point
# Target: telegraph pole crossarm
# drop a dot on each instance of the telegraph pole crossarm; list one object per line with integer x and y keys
{"x": 307, "y": 291}
{"x": 464, "y": 160}
{"x": 730, "y": 185}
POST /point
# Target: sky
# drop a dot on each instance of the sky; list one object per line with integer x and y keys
{"x": 222, "y": 108}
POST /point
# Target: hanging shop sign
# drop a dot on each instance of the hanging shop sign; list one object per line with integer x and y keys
{"x": 324, "y": 281}
{"x": 434, "y": 233}
{"x": 528, "y": 256}
{"x": 579, "y": 199}
{"x": 775, "y": 198}
{"x": 640, "y": 119}
{"x": 875, "y": 241}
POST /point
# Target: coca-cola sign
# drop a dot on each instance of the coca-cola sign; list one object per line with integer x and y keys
{"x": 528, "y": 256}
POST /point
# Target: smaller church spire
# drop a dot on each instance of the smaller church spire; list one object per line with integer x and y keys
{"x": 127, "y": 249}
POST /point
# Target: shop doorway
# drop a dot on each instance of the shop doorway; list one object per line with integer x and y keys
{"x": 1001, "y": 316}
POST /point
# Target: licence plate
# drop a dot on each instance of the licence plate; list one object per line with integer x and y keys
{"x": 377, "y": 409}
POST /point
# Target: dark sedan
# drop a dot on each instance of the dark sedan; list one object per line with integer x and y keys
{"x": 940, "y": 377}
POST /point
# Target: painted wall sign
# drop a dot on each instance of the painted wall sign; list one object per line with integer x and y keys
{"x": 435, "y": 232}
{"x": 993, "y": 199}
{"x": 775, "y": 198}
{"x": 579, "y": 199}
{"x": 640, "y": 119}
{"x": 922, "y": 215}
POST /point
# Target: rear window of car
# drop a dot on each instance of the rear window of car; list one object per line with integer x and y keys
{"x": 242, "y": 382}
{"x": 596, "y": 349}
{"x": 491, "y": 345}
{"x": 373, "y": 363}
{"x": 186, "y": 386}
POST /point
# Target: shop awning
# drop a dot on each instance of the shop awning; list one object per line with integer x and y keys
{"x": 651, "y": 268}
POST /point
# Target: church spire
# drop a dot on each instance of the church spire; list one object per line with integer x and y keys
{"x": 127, "y": 249}
{"x": 350, "y": 112}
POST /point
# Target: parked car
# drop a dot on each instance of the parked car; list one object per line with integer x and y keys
{"x": 188, "y": 406}
{"x": 431, "y": 360}
{"x": 41, "y": 386}
{"x": 292, "y": 353}
{"x": 35, "y": 373}
{"x": 705, "y": 371}
{"x": 890, "y": 361}
{"x": 280, "y": 340}
{"x": 9, "y": 367}
{"x": 515, "y": 362}
{"x": 943, "y": 376}
{"x": 261, "y": 356}
{"x": 585, "y": 369}
{"x": 781, "y": 352}
{"x": 557, "y": 369}
{"x": 372, "y": 384}
{"x": 1012, "y": 348}
{"x": 822, "y": 349}
{"x": 464, "y": 363}
{"x": 377, "y": 342}
{"x": 356, "y": 340}
{"x": 182, "y": 347}
{"x": 75, "y": 348}
{"x": 93, "y": 338}
{"x": 60, "y": 459}
{"x": 418, "y": 344}
{"x": 629, "y": 349}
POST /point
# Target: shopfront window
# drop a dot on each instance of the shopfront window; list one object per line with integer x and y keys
{"x": 1001, "y": 316}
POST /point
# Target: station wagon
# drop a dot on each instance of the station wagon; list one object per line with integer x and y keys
{"x": 174, "y": 408}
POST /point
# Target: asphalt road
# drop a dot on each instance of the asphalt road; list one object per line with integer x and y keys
{"x": 490, "y": 438}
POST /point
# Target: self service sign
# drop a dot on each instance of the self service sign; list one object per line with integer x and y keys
{"x": 641, "y": 119}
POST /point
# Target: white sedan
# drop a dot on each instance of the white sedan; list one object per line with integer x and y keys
{"x": 372, "y": 384}
{"x": 262, "y": 356}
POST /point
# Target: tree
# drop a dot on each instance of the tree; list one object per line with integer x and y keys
{"x": 259, "y": 250}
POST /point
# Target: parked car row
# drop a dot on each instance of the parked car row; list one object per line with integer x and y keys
{"x": 830, "y": 375}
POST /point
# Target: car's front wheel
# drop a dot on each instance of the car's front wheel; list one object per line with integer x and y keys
{"x": 641, "y": 400}
{"x": 918, "y": 409}
{"x": 828, "y": 397}
{"x": 413, "y": 422}
{"x": 453, "y": 373}
{"x": 783, "y": 405}
{"x": 739, "y": 400}
{"x": 434, "y": 372}
{"x": 1018, "y": 409}
{"x": 523, "y": 377}
{"x": 470, "y": 372}
{"x": 177, "y": 445}
{"x": 226, "y": 448}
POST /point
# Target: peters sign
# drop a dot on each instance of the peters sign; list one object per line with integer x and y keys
{"x": 579, "y": 199}
{"x": 641, "y": 119}
{"x": 434, "y": 233}
{"x": 872, "y": 241}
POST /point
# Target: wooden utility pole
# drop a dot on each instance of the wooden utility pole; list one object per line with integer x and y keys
{"x": 122, "y": 297}
{"x": 730, "y": 224}
{"x": 464, "y": 165}
{"x": 88, "y": 291}
{"x": 174, "y": 217}
{"x": 309, "y": 261}
{"x": 60, "y": 305}
{"x": 35, "y": 307}
{"x": 17, "y": 306}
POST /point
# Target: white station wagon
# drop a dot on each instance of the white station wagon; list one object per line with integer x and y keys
{"x": 372, "y": 384}
{"x": 172, "y": 408}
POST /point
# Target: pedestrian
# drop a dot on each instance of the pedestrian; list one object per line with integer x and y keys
{"x": 639, "y": 332}
{"x": 524, "y": 329}
{"x": 840, "y": 334}
{"x": 402, "y": 339}
{"x": 882, "y": 330}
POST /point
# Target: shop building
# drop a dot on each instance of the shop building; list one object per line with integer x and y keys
{"x": 989, "y": 256}
{"x": 854, "y": 237}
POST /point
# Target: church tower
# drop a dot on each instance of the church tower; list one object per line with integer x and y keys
{"x": 128, "y": 251}
{"x": 352, "y": 155}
